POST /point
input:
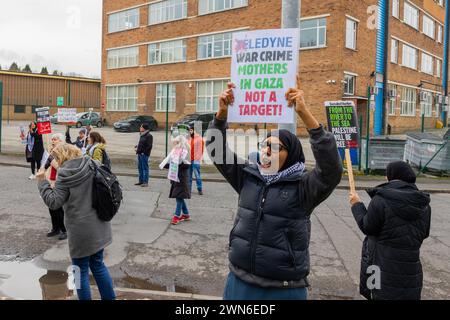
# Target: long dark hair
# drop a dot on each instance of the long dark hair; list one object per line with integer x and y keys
{"x": 96, "y": 138}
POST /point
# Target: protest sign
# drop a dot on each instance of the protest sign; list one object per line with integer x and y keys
{"x": 343, "y": 123}
{"x": 43, "y": 120}
{"x": 67, "y": 115}
{"x": 264, "y": 66}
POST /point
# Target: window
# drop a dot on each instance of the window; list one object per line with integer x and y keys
{"x": 427, "y": 64}
{"x": 214, "y": 46}
{"x": 167, "y": 52}
{"x": 426, "y": 104}
{"x": 349, "y": 86}
{"x": 394, "y": 51}
{"x": 392, "y": 95}
{"x": 123, "y": 20}
{"x": 395, "y": 8}
{"x": 207, "y": 95}
{"x": 313, "y": 33}
{"x": 409, "y": 57}
{"x": 161, "y": 97}
{"x": 438, "y": 68}
{"x": 428, "y": 27}
{"x": 168, "y": 10}
{"x": 19, "y": 109}
{"x": 411, "y": 16}
{"x": 408, "y": 102}
{"x": 350, "y": 34}
{"x": 439, "y": 36}
{"x": 122, "y": 98}
{"x": 209, "y": 6}
{"x": 121, "y": 58}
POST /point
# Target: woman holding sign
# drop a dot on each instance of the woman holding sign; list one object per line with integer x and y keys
{"x": 269, "y": 243}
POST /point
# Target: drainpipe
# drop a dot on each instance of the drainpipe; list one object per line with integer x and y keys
{"x": 381, "y": 64}
{"x": 445, "y": 62}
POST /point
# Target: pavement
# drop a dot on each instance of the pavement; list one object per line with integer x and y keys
{"x": 151, "y": 259}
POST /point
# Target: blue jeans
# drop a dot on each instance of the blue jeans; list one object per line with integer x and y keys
{"x": 236, "y": 289}
{"x": 181, "y": 206}
{"x": 101, "y": 276}
{"x": 195, "y": 169}
{"x": 144, "y": 171}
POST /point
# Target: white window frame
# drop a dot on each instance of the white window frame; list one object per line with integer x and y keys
{"x": 161, "y": 97}
{"x": 440, "y": 32}
{"x": 123, "y": 58}
{"x": 123, "y": 17}
{"x": 438, "y": 68}
{"x": 165, "y": 11}
{"x": 351, "y": 30}
{"x": 174, "y": 50}
{"x": 411, "y": 15}
{"x": 408, "y": 102}
{"x": 426, "y": 107}
{"x": 396, "y": 8}
{"x": 349, "y": 85}
{"x": 211, "y": 97}
{"x": 392, "y": 101}
{"x": 319, "y": 28}
{"x": 407, "y": 56}
{"x": 427, "y": 65}
{"x": 429, "y": 27}
{"x": 209, "y": 43}
{"x": 122, "y": 98}
{"x": 210, "y": 6}
{"x": 394, "y": 51}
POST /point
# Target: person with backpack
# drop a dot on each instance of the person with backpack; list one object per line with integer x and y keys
{"x": 143, "y": 151}
{"x": 97, "y": 149}
{"x": 269, "y": 242}
{"x": 88, "y": 235}
{"x": 396, "y": 223}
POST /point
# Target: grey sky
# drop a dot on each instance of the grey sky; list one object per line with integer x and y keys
{"x": 60, "y": 34}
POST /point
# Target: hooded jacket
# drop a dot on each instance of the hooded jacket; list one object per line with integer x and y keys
{"x": 87, "y": 234}
{"x": 269, "y": 242}
{"x": 396, "y": 223}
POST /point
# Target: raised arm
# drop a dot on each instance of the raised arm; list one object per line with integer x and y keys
{"x": 225, "y": 160}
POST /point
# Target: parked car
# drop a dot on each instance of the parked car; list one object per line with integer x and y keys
{"x": 89, "y": 118}
{"x": 133, "y": 123}
{"x": 190, "y": 119}
{"x": 54, "y": 118}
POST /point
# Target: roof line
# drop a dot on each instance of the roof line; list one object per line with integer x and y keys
{"x": 37, "y": 75}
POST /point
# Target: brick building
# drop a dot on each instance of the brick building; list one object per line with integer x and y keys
{"x": 24, "y": 92}
{"x": 183, "y": 47}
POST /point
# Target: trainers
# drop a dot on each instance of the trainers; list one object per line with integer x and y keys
{"x": 62, "y": 236}
{"x": 52, "y": 233}
{"x": 185, "y": 217}
{"x": 175, "y": 220}
{"x": 200, "y": 192}
{"x": 144, "y": 185}
{"x": 32, "y": 177}
{"x": 138, "y": 184}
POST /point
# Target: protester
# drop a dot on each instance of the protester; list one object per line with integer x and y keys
{"x": 269, "y": 243}
{"x": 178, "y": 164}
{"x": 395, "y": 224}
{"x": 57, "y": 216}
{"x": 96, "y": 146}
{"x": 197, "y": 149}
{"x": 143, "y": 151}
{"x": 34, "y": 150}
{"x": 81, "y": 141}
{"x": 88, "y": 235}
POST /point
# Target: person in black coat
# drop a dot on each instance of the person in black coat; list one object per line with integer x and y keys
{"x": 34, "y": 150}
{"x": 269, "y": 242}
{"x": 143, "y": 151}
{"x": 395, "y": 224}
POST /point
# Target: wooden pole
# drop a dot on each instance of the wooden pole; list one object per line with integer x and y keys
{"x": 351, "y": 179}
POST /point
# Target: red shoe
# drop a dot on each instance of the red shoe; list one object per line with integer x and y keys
{"x": 185, "y": 217}
{"x": 175, "y": 220}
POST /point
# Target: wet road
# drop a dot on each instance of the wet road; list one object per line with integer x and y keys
{"x": 148, "y": 253}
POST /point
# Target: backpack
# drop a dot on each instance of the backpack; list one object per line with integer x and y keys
{"x": 106, "y": 161}
{"x": 106, "y": 192}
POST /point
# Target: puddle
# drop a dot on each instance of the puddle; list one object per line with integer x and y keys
{"x": 26, "y": 281}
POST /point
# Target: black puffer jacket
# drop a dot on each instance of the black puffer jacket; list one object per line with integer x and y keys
{"x": 396, "y": 223}
{"x": 269, "y": 243}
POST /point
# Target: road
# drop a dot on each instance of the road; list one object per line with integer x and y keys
{"x": 149, "y": 253}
